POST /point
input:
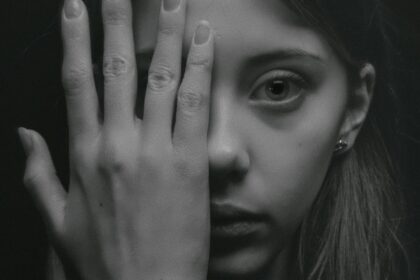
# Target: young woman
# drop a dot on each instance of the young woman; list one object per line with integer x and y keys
{"x": 236, "y": 140}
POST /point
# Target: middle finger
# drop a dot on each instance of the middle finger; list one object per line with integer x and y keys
{"x": 165, "y": 71}
{"x": 119, "y": 65}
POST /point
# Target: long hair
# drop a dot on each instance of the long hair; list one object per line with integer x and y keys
{"x": 351, "y": 232}
{"x": 352, "y": 229}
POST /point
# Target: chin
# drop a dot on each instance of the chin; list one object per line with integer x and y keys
{"x": 244, "y": 264}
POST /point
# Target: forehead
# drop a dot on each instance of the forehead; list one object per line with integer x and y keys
{"x": 242, "y": 27}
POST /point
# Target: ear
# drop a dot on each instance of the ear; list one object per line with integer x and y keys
{"x": 358, "y": 105}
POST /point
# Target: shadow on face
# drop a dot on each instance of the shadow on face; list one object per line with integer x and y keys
{"x": 278, "y": 104}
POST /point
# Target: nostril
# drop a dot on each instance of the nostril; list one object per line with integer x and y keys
{"x": 237, "y": 176}
{"x": 223, "y": 180}
{"x": 228, "y": 164}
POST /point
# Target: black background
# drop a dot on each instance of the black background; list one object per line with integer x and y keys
{"x": 31, "y": 96}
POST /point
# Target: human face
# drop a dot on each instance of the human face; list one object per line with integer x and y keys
{"x": 278, "y": 103}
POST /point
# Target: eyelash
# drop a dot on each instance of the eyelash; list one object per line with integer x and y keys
{"x": 295, "y": 83}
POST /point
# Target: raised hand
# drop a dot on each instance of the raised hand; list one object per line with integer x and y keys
{"x": 138, "y": 199}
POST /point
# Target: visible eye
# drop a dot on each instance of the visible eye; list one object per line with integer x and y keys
{"x": 279, "y": 88}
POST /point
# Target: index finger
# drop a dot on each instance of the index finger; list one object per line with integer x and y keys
{"x": 193, "y": 102}
{"x": 77, "y": 73}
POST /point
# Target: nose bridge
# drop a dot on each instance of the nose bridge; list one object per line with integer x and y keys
{"x": 226, "y": 151}
{"x": 221, "y": 125}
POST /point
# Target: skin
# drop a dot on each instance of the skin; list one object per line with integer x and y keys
{"x": 231, "y": 141}
{"x": 282, "y": 155}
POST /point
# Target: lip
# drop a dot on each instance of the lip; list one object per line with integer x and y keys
{"x": 230, "y": 221}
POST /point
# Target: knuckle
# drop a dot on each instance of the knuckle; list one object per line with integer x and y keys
{"x": 161, "y": 77}
{"x": 112, "y": 161}
{"x": 168, "y": 30}
{"x": 72, "y": 33}
{"x": 115, "y": 66}
{"x": 115, "y": 13}
{"x": 190, "y": 100}
{"x": 112, "y": 165}
{"x": 30, "y": 179}
{"x": 200, "y": 62}
{"x": 34, "y": 178}
{"x": 75, "y": 78}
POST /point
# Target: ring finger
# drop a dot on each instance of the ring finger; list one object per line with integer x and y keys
{"x": 165, "y": 71}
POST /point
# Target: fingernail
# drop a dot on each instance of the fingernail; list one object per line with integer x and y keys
{"x": 26, "y": 140}
{"x": 171, "y": 5}
{"x": 202, "y": 34}
{"x": 72, "y": 8}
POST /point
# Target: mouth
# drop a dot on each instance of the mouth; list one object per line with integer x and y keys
{"x": 229, "y": 221}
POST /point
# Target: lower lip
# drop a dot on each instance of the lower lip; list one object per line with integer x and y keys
{"x": 235, "y": 229}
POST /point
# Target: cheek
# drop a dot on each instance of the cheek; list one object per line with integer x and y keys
{"x": 291, "y": 163}
{"x": 292, "y": 183}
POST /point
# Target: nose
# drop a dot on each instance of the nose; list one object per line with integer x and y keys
{"x": 228, "y": 160}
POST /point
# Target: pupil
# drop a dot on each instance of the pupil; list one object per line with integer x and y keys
{"x": 277, "y": 87}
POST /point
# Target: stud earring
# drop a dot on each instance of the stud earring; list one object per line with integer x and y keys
{"x": 340, "y": 146}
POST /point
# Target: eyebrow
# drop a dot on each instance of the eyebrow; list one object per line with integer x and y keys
{"x": 144, "y": 56}
{"x": 283, "y": 54}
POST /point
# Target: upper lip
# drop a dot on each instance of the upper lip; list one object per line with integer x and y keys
{"x": 228, "y": 213}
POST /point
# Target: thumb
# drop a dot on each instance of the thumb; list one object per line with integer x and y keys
{"x": 41, "y": 180}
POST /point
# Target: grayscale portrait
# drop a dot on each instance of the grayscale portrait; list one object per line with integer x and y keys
{"x": 211, "y": 140}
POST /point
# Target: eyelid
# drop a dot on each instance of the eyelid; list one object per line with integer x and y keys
{"x": 289, "y": 104}
{"x": 279, "y": 74}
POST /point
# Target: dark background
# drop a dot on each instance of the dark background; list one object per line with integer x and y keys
{"x": 31, "y": 96}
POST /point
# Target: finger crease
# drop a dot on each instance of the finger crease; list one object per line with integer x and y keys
{"x": 115, "y": 67}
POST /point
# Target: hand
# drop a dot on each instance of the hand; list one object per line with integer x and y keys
{"x": 138, "y": 200}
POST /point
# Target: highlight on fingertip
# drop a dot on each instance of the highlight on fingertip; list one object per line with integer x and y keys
{"x": 171, "y": 5}
{"x": 202, "y": 33}
{"x": 26, "y": 139}
{"x": 72, "y": 8}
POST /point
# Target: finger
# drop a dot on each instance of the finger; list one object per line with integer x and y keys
{"x": 194, "y": 94}
{"x": 119, "y": 66}
{"x": 41, "y": 180}
{"x": 165, "y": 71}
{"x": 55, "y": 268}
{"x": 78, "y": 81}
